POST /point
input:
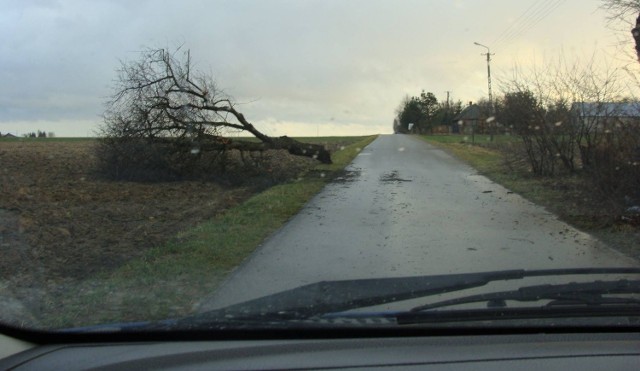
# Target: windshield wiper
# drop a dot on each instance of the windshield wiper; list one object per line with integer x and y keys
{"x": 584, "y": 293}
{"x": 328, "y": 299}
{"x": 338, "y": 296}
{"x": 571, "y": 300}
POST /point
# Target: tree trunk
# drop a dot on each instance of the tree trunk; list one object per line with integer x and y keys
{"x": 293, "y": 146}
{"x": 636, "y": 36}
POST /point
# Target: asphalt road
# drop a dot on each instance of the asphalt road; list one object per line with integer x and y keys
{"x": 407, "y": 208}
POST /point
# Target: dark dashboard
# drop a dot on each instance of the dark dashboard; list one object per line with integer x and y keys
{"x": 579, "y": 351}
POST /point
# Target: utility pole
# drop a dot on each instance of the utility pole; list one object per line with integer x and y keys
{"x": 447, "y": 116}
{"x": 488, "y": 54}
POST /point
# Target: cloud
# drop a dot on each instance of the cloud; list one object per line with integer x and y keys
{"x": 300, "y": 62}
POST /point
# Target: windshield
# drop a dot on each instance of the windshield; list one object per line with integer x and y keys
{"x": 212, "y": 164}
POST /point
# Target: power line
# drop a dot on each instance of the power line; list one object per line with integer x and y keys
{"x": 537, "y": 11}
{"x": 541, "y": 8}
{"x": 535, "y": 20}
{"x": 512, "y": 25}
{"x": 527, "y": 20}
{"x": 538, "y": 8}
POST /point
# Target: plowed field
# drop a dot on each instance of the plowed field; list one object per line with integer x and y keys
{"x": 59, "y": 221}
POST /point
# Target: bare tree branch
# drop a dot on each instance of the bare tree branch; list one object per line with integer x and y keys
{"x": 161, "y": 96}
{"x": 625, "y": 11}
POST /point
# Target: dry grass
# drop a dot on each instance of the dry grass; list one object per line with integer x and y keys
{"x": 569, "y": 196}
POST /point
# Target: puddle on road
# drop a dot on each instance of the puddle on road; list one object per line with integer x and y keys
{"x": 392, "y": 176}
{"x": 348, "y": 176}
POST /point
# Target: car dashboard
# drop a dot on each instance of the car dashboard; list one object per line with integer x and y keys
{"x": 547, "y": 351}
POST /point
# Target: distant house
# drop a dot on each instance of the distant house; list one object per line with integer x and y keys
{"x": 606, "y": 115}
{"x": 9, "y": 135}
{"x": 470, "y": 120}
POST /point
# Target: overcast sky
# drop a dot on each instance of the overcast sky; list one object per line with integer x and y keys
{"x": 299, "y": 67}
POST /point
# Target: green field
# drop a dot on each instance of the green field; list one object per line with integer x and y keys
{"x": 55, "y": 139}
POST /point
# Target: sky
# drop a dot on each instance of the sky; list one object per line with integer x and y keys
{"x": 298, "y": 68}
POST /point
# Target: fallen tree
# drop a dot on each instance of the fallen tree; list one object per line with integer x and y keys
{"x": 160, "y": 102}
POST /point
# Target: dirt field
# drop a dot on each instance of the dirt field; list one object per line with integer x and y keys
{"x": 62, "y": 225}
{"x": 58, "y": 221}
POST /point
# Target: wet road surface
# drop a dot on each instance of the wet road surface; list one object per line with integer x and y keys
{"x": 407, "y": 208}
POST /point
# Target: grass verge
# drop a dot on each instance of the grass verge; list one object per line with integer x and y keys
{"x": 565, "y": 196}
{"x": 488, "y": 161}
{"x": 169, "y": 280}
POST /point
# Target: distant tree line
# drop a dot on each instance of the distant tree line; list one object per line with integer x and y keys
{"x": 425, "y": 113}
{"x": 39, "y": 134}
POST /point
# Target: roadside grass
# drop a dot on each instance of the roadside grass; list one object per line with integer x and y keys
{"x": 169, "y": 280}
{"x": 480, "y": 139}
{"x": 491, "y": 163}
{"x": 481, "y": 158}
{"x": 315, "y": 140}
{"x": 566, "y": 196}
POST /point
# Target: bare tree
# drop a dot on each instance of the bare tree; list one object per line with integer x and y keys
{"x": 620, "y": 9}
{"x": 160, "y": 99}
{"x": 584, "y": 124}
{"x": 625, "y": 11}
